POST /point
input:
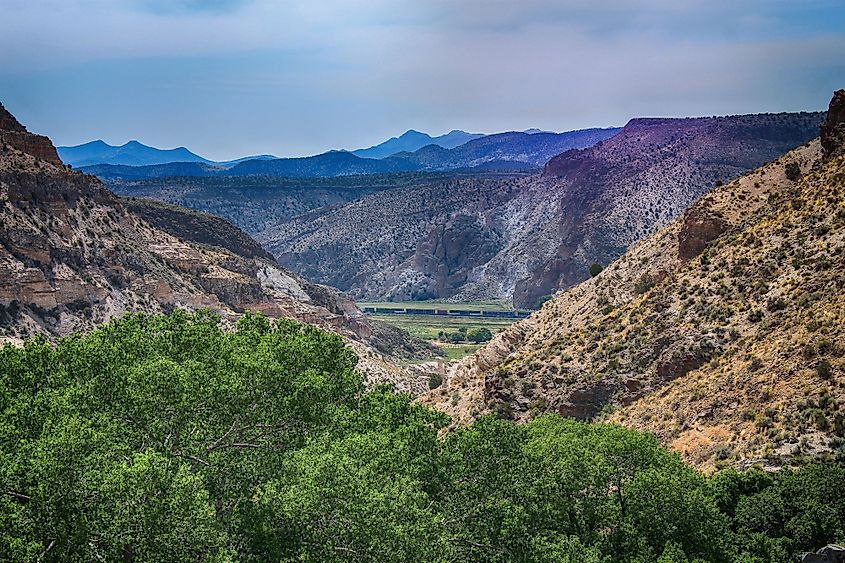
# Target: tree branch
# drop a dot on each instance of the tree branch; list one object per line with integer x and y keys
{"x": 216, "y": 443}
{"x": 19, "y": 496}
{"x": 49, "y": 547}
{"x": 475, "y": 544}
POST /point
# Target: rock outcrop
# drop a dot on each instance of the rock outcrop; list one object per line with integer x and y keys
{"x": 699, "y": 227}
{"x": 833, "y": 129}
{"x": 14, "y": 134}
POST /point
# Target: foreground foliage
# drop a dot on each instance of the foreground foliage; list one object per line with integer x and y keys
{"x": 166, "y": 438}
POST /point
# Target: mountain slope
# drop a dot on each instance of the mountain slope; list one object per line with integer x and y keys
{"x": 72, "y": 255}
{"x": 411, "y": 140}
{"x": 256, "y": 202}
{"x": 108, "y": 172}
{"x": 327, "y": 165}
{"x": 199, "y": 227}
{"x": 414, "y": 242}
{"x": 723, "y": 333}
{"x": 524, "y": 238}
{"x": 231, "y": 163}
{"x": 626, "y": 187}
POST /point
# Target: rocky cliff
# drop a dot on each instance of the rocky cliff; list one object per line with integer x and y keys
{"x": 14, "y": 134}
{"x": 833, "y": 130}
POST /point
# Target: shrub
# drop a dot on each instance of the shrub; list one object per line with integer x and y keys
{"x": 792, "y": 171}
{"x": 644, "y": 283}
{"x": 456, "y": 337}
{"x": 595, "y": 269}
{"x": 479, "y": 335}
{"x": 435, "y": 380}
{"x": 824, "y": 369}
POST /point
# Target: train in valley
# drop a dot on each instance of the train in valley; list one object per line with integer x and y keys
{"x": 445, "y": 312}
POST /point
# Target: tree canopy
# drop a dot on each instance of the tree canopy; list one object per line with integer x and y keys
{"x": 168, "y": 438}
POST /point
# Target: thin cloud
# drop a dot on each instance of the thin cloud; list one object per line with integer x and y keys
{"x": 189, "y": 6}
{"x": 233, "y": 77}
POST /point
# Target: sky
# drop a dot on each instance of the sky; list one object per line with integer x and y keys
{"x": 228, "y": 78}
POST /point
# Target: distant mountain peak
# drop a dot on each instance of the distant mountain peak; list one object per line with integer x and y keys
{"x": 131, "y": 153}
{"x": 95, "y": 143}
{"x": 413, "y": 140}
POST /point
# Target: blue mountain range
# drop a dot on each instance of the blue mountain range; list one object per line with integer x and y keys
{"x": 411, "y": 141}
{"x": 135, "y": 153}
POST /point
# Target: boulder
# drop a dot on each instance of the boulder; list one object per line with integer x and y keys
{"x": 699, "y": 228}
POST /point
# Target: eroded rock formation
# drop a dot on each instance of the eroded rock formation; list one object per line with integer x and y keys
{"x": 833, "y": 129}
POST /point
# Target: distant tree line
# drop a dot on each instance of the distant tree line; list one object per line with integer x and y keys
{"x": 476, "y": 335}
{"x": 165, "y": 438}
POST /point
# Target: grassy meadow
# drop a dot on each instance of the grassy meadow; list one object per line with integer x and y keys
{"x": 429, "y": 327}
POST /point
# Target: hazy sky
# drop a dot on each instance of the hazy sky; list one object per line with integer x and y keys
{"x": 233, "y": 77}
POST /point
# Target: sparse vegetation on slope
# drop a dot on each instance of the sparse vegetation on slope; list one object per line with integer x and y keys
{"x": 418, "y": 242}
{"x": 722, "y": 333}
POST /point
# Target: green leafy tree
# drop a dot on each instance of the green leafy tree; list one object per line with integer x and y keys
{"x": 542, "y": 301}
{"x": 479, "y": 335}
{"x": 167, "y": 438}
{"x": 792, "y": 171}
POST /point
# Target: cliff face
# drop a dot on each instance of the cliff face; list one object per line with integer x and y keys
{"x": 722, "y": 333}
{"x": 14, "y": 134}
{"x": 72, "y": 255}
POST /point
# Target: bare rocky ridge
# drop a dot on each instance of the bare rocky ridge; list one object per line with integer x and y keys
{"x": 525, "y": 238}
{"x": 196, "y": 226}
{"x": 723, "y": 333}
{"x": 72, "y": 256}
